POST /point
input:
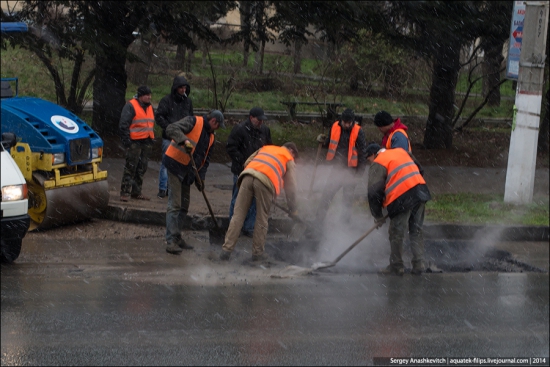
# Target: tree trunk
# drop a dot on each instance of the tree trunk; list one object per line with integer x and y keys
{"x": 297, "y": 57}
{"x": 109, "y": 92}
{"x": 439, "y": 130}
{"x": 179, "y": 63}
{"x": 491, "y": 70}
{"x": 262, "y": 53}
{"x": 257, "y": 60}
{"x": 245, "y": 12}
{"x": 204, "y": 52}
{"x": 543, "y": 144}
{"x": 190, "y": 57}
{"x": 73, "y": 91}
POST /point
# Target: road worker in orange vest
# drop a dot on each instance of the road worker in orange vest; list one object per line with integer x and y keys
{"x": 395, "y": 133}
{"x": 191, "y": 138}
{"x": 396, "y": 183}
{"x": 346, "y": 152}
{"x": 266, "y": 173}
{"x": 136, "y": 132}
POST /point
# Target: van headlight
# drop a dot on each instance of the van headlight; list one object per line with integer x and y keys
{"x": 14, "y": 192}
{"x": 58, "y": 158}
{"x": 97, "y": 152}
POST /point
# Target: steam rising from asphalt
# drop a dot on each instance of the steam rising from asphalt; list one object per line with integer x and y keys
{"x": 337, "y": 233}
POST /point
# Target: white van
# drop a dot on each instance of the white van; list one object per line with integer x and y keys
{"x": 15, "y": 218}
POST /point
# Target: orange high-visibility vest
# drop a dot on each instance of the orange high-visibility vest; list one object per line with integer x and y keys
{"x": 388, "y": 142}
{"x": 403, "y": 173}
{"x": 142, "y": 123}
{"x": 271, "y": 160}
{"x": 179, "y": 154}
{"x": 333, "y": 144}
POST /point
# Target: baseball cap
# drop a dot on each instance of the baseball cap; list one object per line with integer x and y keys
{"x": 258, "y": 113}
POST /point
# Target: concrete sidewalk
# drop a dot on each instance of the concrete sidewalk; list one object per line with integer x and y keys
{"x": 219, "y": 182}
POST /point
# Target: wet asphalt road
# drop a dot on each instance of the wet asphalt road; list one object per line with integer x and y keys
{"x": 115, "y": 302}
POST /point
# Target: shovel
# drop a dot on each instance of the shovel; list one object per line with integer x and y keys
{"x": 326, "y": 264}
{"x": 314, "y": 169}
{"x": 296, "y": 234}
{"x": 216, "y": 235}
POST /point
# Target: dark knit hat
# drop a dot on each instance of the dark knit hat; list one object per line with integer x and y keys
{"x": 143, "y": 91}
{"x": 348, "y": 115}
{"x": 382, "y": 118}
{"x": 372, "y": 148}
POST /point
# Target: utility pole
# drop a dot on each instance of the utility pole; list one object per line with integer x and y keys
{"x": 522, "y": 156}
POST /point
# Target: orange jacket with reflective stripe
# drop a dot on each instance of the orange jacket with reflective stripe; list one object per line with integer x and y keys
{"x": 388, "y": 142}
{"x": 179, "y": 154}
{"x": 335, "y": 138}
{"x": 142, "y": 123}
{"x": 271, "y": 160}
{"x": 402, "y": 174}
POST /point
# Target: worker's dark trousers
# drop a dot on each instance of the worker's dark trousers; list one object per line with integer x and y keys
{"x": 137, "y": 159}
{"x": 178, "y": 205}
{"x": 411, "y": 220}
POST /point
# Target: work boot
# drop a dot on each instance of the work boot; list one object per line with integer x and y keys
{"x": 141, "y": 197}
{"x": 124, "y": 198}
{"x": 262, "y": 257}
{"x": 417, "y": 271}
{"x": 183, "y": 245}
{"x": 390, "y": 270}
{"x": 161, "y": 194}
{"x": 225, "y": 255}
{"x": 174, "y": 249}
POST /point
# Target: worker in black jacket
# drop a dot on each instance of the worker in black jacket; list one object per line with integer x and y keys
{"x": 246, "y": 138}
{"x": 173, "y": 107}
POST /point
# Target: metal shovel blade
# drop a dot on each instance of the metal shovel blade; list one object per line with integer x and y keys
{"x": 322, "y": 265}
{"x": 216, "y": 234}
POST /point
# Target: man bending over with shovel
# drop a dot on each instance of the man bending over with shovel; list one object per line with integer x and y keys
{"x": 191, "y": 136}
{"x": 396, "y": 183}
{"x": 267, "y": 171}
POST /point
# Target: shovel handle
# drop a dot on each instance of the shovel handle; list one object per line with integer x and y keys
{"x": 198, "y": 178}
{"x": 314, "y": 169}
{"x": 287, "y": 211}
{"x": 356, "y": 242}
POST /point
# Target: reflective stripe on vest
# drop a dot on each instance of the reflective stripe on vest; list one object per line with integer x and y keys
{"x": 179, "y": 154}
{"x": 335, "y": 138}
{"x": 271, "y": 160}
{"x": 142, "y": 123}
{"x": 403, "y": 173}
{"x": 388, "y": 142}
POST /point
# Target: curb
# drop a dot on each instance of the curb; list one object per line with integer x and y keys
{"x": 278, "y": 225}
{"x": 500, "y": 233}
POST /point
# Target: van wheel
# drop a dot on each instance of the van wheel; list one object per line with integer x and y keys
{"x": 10, "y": 250}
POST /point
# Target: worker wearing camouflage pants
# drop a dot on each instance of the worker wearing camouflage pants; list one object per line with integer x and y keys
{"x": 411, "y": 221}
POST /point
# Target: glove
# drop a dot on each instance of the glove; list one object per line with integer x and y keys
{"x": 188, "y": 147}
{"x": 321, "y": 138}
{"x": 200, "y": 185}
{"x": 379, "y": 222}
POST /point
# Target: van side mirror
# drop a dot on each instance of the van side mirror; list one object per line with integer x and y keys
{"x": 9, "y": 140}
